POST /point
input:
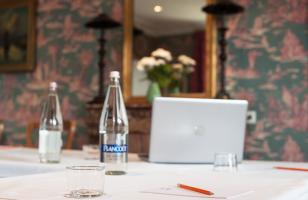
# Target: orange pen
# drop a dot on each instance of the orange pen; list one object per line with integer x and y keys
{"x": 194, "y": 189}
{"x": 293, "y": 169}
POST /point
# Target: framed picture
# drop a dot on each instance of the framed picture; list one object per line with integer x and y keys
{"x": 17, "y": 35}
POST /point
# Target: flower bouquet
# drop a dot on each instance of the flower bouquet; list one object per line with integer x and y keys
{"x": 165, "y": 74}
{"x": 182, "y": 69}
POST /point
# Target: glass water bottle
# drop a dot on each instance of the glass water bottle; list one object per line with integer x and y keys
{"x": 113, "y": 129}
{"x": 51, "y": 127}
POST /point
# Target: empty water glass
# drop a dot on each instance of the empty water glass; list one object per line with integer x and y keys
{"x": 226, "y": 162}
{"x": 85, "y": 181}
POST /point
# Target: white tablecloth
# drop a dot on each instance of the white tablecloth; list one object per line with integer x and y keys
{"x": 25, "y": 178}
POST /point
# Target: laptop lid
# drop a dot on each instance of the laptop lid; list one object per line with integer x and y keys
{"x": 187, "y": 130}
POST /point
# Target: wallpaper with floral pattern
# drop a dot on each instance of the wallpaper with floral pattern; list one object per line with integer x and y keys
{"x": 66, "y": 53}
{"x": 268, "y": 54}
{"x": 267, "y": 66}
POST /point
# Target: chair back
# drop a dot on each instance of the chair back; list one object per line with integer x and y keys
{"x": 1, "y": 131}
{"x": 69, "y": 127}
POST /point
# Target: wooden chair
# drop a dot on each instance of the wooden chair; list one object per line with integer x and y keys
{"x": 1, "y": 131}
{"x": 69, "y": 127}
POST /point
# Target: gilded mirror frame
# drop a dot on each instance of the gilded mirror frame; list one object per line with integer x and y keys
{"x": 210, "y": 58}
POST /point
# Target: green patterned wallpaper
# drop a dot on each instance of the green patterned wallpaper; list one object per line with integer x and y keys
{"x": 268, "y": 53}
{"x": 66, "y": 53}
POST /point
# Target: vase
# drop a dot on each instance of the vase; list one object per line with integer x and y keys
{"x": 153, "y": 91}
{"x": 185, "y": 84}
{"x": 164, "y": 91}
{"x": 174, "y": 90}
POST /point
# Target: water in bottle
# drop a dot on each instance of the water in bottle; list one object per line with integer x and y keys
{"x": 113, "y": 129}
{"x": 51, "y": 127}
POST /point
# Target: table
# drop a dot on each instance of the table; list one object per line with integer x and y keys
{"x": 23, "y": 177}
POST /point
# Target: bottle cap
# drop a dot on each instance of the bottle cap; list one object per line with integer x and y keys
{"x": 114, "y": 74}
{"x": 53, "y": 85}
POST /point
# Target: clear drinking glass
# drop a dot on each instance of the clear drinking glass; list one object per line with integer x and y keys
{"x": 85, "y": 181}
{"x": 226, "y": 162}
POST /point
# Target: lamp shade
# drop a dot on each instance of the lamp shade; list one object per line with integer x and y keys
{"x": 102, "y": 21}
{"x": 223, "y": 8}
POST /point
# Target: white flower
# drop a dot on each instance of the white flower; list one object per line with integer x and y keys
{"x": 146, "y": 62}
{"x": 186, "y": 60}
{"x": 177, "y": 75}
{"x": 190, "y": 70}
{"x": 159, "y": 62}
{"x": 162, "y": 53}
{"x": 178, "y": 66}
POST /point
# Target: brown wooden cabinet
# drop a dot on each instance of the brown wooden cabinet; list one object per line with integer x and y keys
{"x": 139, "y": 118}
{"x": 92, "y": 121}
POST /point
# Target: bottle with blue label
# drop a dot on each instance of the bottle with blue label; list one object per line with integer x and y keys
{"x": 113, "y": 129}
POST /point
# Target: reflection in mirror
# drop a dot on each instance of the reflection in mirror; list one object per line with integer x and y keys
{"x": 172, "y": 20}
{"x": 174, "y": 25}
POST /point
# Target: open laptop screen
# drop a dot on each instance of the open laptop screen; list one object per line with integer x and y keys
{"x": 187, "y": 130}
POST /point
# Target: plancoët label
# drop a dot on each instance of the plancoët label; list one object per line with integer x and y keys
{"x": 113, "y": 148}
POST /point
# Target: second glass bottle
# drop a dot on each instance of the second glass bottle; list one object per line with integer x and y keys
{"x": 113, "y": 129}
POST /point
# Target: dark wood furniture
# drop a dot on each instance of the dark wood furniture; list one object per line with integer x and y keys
{"x": 92, "y": 121}
{"x": 139, "y": 118}
{"x": 1, "y": 131}
{"x": 139, "y": 126}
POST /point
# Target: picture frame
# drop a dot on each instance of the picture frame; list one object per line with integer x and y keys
{"x": 17, "y": 35}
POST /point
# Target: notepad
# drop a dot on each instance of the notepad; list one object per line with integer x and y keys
{"x": 220, "y": 193}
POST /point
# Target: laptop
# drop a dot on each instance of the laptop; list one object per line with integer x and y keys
{"x": 190, "y": 130}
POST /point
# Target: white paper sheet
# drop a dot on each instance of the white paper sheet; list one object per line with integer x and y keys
{"x": 219, "y": 193}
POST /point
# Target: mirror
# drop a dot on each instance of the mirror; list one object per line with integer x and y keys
{"x": 178, "y": 26}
